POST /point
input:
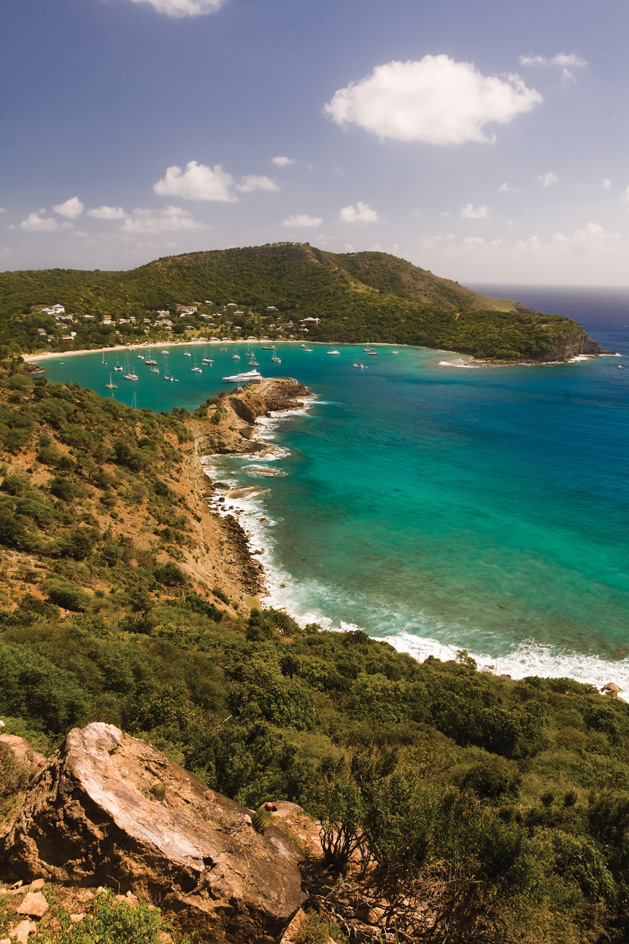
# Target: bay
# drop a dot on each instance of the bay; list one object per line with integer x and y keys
{"x": 436, "y": 505}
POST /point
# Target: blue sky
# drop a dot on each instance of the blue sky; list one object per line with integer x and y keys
{"x": 487, "y": 142}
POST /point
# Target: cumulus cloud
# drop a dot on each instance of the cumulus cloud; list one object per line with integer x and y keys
{"x": 606, "y": 183}
{"x": 302, "y": 219}
{"x": 507, "y": 188}
{"x": 471, "y": 212}
{"x": 282, "y": 161}
{"x": 36, "y": 222}
{"x": 179, "y": 8}
{"x": 172, "y": 219}
{"x": 434, "y": 100}
{"x": 547, "y": 180}
{"x": 256, "y": 182}
{"x": 107, "y": 213}
{"x": 196, "y": 182}
{"x": 71, "y": 208}
{"x": 361, "y": 213}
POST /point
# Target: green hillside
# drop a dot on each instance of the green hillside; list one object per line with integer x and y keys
{"x": 356, "y": 297}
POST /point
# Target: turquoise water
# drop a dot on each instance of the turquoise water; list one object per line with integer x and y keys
{"x": 438, "y": 506}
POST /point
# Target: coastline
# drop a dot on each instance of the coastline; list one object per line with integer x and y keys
{"x": 237, "y": 433}
{"x": 473, "y": 362}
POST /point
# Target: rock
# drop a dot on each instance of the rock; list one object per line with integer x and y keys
{"x": 22, "y": 931}
{"x": 611, "y": 689}
{"x": 298, "y": 826}
{"x": 295, "y": 929}
{"x": 88, "y": 819}
{"x": 34, "y": 905}
{"x": 75, "y": 918}
{"x": 37, "y": 885}
{"x": 22, "y": 750}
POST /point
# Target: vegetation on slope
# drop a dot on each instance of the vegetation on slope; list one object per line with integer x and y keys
{"x": 357, "y": 297}
{"x": 501, "y": 806}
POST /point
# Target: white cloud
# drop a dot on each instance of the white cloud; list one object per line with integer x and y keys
{"x": 35, "y": 222}
{"x": 471, "y": 212}
{"x": 361, "y": 213}
{"x": 107, "y": 213}
{"x": 435, "y": 100}
{"x": 606, "y": 183}
{"x": 179, "y": 8}
{"x": 71, "y": 208}
{"x": 171, "y": 219}
{"x": 592, "y": 240}
{"x": 282, "y": 161}
{"x": 626, "y": 195}
{"x": 507, "y": 188}
{"x": 547, "y": 180}
{"x": 588, "y": 250}
{"x": 348, "y": 247}
{"x": 375, "y": 247}
{"x": 565, "y": 61}
{"x": 256, "y": 182}
{"x": 302, "y": 219}
{"x": 196, "y": 182}
{"x": 3, "y": 210}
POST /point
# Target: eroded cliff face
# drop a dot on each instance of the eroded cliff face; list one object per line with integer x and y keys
{"x": 578, "y": 342}
{"x": 230, "y": 426}
{"x": 110, "y": 809}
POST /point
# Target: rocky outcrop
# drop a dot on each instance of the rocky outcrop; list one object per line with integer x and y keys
{"x": 110, "y": 809}
{"x": 232, "y": 425}
{"x": 22, "y": 750}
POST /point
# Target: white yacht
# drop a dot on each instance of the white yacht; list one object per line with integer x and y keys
{"x": 244, "y": 377}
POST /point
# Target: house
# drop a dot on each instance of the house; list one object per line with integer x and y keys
{"x": 54, "y": 310}
{"x": 271, "y": 308}
{"x": 41, "y": 332}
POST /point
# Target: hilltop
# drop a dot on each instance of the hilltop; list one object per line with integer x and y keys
{"x": 277, "y": 291}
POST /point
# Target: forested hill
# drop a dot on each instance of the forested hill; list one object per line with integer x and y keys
{"x": 270, "y": 291}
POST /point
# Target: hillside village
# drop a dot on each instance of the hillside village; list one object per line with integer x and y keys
{"x": 200, "y": 321}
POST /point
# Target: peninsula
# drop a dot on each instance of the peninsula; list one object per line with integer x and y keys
{"x": 279, "y": 292}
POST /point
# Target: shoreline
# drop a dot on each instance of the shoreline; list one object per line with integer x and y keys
{"x": 244, "y": 504}
{"x": 474, "y": 362}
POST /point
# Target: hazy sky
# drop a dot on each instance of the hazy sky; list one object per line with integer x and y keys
{"x": 486, "y": 141}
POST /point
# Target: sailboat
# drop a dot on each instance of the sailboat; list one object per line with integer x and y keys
{"x": 118, "y": 365}
{"x": 150, "y": 360}
{"x": 196, "y": 370}
{"x": 128, "y": 375}
{"x": 103, "y": 361}
{"x": 275, "y": 358}
{"x": 111, "y": 385}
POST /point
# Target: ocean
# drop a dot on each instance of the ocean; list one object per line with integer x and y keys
{"x": 436, "y": 505}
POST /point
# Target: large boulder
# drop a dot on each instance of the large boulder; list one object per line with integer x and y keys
{"x": 109, "y": 809}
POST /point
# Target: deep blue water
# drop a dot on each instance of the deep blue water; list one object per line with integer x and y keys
{"x": 438, "y": 506}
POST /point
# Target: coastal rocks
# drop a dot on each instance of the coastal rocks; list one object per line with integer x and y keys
{"x": 613, "y": 691}
{"x": 109, "y": 809}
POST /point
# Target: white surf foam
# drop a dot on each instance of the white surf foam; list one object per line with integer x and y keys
{"x": 459, "y": 364}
